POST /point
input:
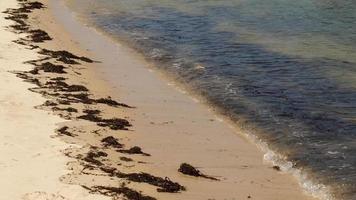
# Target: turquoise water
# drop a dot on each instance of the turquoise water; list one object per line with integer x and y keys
{"x": 284, "y": 70}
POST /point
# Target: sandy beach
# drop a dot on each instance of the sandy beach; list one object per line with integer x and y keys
{"x": 85, "y": 117}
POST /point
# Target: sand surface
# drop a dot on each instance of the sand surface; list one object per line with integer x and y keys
{"x": 31, "y": 162}
{"x": 168, "y": 123}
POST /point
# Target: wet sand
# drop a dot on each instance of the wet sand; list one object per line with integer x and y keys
{"x": 129, "y": 145}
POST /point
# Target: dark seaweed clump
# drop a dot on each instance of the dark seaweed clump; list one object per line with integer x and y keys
{"x": 109, "y": 101}
{"x": 69, "y": 110}
{"x": 19, "y": 18}
{"x": 27, "y": 7}
{"x": 76, "y": 98}
{"x": 49, "y": 103}
{"x": 114, "y": 123}
{"x": 189, "y": 170}
{"x": 19, "y": 15}
{"x": 110, "y": 141}
{"x": 38, "y": 36}
{"x": 28, "y": 78}
{"x": 92, "y": 156}
{"x": 134, "y": 150}
{"x": 49, "y": 68}
{"x": 64, "y": 87}
{"x": 117, "y": 192}
{"x": 126, "y": 159}
{"x": 65, "y": 56}
{"x": 164, "y": 184}
{"x": 64, "y": 131}
{"x": 277, "y": 168}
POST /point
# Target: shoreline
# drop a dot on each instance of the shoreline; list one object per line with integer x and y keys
{"x": 184, "y": 134}
{"x": 163, "y": 77}
{"x": 310, "y": 187}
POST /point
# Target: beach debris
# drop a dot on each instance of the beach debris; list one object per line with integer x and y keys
{"x": 134, "y": 150}
{"x": 108, "y": 170}
{"x": 70, "y": 109}
{"x": 62, "y": 93}
{"x": 25, "y": 7}
{"x": 81, "y": 97}
{"x": 189, "y": 170}
{"x": 114, "y": 123}
{"x": 19, "y": 15}
{"x": 27, "y": 78}
{"x": 110, "y": 102}
{"x": 65, "y": 56}
{"x": 49, "y": 103}
{"x": 92, "y": 155}
{"x": 110, "y": 141}
{"x": 163, "y": 184}
{"x": 38, "y": 36}
{"x": 126, "y": 159}
{"x": 64, "y": 87}
{"x": 76, "y": 98}
{"x": 64, "y": 131}
{"x": 276, "y": 167}
{"x": 28, "y": 6}
{"x": 117, "y": 192}
{"x": 58, "y": 79}
{"x": 19, "y": 18}
{"x": 49, "y": 68}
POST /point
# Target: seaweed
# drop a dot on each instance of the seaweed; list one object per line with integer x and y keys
{"x": 19, "y": 15}
{"x": 65, "y": 56}
{"x": 134, "y": 150}
{"x": 110, "y": 102}
{"x": 77, "y": 98}
{"x": 189, "y": 170}
{"x": 92, "y": 155}
{"x": 48, "y": 68}
{"x": 27, "y": 78}
{"x": 114, "y": 123}
{"x": 65, "y": 94}
{"x": 64, "y": 131}
{"x": 26, "y": 7}
{"x": 110, "y": 141}
{"x": 277, "y": 168}
{"x": 20, "y": 25}
{"x": 163, "y": 184}
{"x": 31, "y": 6}
{"x": 64, "y": 87}
{"x": 108, "y": 170}
{"x": 49, "y": 103}
{"x": 116, "y": 192}
{"x": 58, "y": 79}
{"x": 38, "y": 36}
{"x": 126, "y": 159}
{"x": 70, "y": 109}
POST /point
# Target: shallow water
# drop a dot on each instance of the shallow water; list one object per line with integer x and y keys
{"x": 283, "y": 70}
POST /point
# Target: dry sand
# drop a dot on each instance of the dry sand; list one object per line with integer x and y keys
{"x": 31, "y": 162}
{"x": 167, "y": 123}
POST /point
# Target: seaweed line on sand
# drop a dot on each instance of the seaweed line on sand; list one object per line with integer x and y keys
{"x": 75, "y": 102}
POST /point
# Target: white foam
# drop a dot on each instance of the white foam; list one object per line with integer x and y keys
{"x": 317, "y": 190}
